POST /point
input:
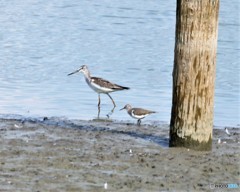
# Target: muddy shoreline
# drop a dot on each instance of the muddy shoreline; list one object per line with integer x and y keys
{"x": 53, "y": 154}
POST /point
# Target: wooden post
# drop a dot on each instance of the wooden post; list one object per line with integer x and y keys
{"x": 194, "y": 74}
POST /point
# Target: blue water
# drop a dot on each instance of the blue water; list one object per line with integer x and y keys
{"x": 130, "y": 43}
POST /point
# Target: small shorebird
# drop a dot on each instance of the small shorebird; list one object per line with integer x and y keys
{"x": 98, "y": 84}
{"x": 137, "y": 113}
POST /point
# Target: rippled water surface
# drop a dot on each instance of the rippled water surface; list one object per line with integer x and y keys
{"x": 130, "y": 43}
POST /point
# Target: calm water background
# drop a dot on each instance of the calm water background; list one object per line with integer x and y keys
{"x": 127, "y": 42}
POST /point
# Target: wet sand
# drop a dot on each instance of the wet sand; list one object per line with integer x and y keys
{"x": 63, "y": 155}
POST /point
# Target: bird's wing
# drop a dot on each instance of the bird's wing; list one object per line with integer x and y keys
{"x": 140, "y": 111}
{"x": 105, "y": 83}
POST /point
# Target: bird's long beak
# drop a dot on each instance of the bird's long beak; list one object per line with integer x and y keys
{"x": 122, "y": 108}
{"x": 74, "y": 72}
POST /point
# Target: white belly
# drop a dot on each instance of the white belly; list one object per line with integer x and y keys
{"x": 97, "y": 88}
{"x": 137, "y": 116}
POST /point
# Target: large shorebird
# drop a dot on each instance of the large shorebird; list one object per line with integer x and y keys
{"x": 137, "y": 113}
{"x": 98, "y": 84}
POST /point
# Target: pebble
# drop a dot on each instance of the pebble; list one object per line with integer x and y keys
{"x": 105, "y": 185}
{"x": 130, "y": 152}
{"x": 17, "y": 126}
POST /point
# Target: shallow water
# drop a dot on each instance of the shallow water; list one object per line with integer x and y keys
{"x": 130, "y": 43}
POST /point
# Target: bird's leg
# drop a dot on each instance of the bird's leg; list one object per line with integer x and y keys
{"x": 99, "y": 100}
{"x": 111, "y": 112}
{"x": 113, "y": 109}
{"x": 138, "y": 121}
{"x": 99, "y": 109}
{"x": 112, "y": 100}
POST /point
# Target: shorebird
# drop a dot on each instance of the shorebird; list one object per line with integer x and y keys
{"x": 137, "y": 113}
{"x": 99, "y": 85}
